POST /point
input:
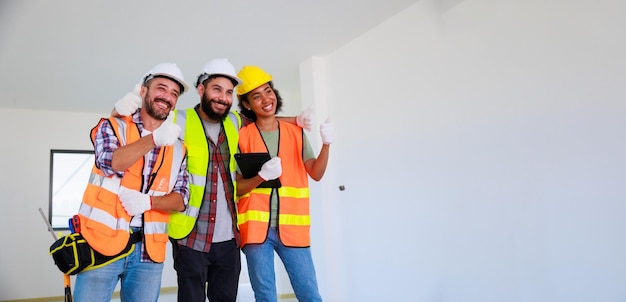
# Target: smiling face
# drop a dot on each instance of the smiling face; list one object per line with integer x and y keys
{"x": 246, "y": 99}
{"x": 160, "y": 96}
{"x": 262, "y": 101}
{"x": 216, "y": 97}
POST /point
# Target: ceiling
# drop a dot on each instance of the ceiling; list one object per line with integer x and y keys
{"x": 76, "y": 55}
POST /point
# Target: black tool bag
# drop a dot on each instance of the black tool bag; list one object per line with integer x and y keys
{"x": 72, "y": 254}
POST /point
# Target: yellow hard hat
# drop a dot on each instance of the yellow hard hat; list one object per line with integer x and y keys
{"x": 252, "y": 77}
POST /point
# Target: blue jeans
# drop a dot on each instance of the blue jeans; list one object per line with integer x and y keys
{"x": 141, "y": 281}
{"x": 298, "y": 264}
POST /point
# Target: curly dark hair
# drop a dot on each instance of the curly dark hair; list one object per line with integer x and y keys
{"x": 249, "y": 113}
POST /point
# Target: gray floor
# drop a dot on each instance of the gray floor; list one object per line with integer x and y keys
{"x": 242, "y": 296}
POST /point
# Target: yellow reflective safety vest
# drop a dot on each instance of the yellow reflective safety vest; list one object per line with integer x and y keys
{"x": 104, "y": 222}
{"x": 194, "y": 137}
{"x": 294, "y": 219}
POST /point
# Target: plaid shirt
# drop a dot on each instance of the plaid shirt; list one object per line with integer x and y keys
{"x": 201, "y": 236}
{"x": 106, "y": 142}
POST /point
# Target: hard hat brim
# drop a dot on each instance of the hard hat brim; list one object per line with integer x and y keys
{"x": 171, "y": 77}
{"x": 203, "y": 77}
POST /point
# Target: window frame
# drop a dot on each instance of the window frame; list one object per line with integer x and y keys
{"x": 74, "y": 179}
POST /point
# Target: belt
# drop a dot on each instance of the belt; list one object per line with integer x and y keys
{"x": 136, "y": 237}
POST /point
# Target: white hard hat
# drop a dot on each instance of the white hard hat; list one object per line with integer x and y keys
{"x": 218, "y": 67}
{"x": 169, "y": 70}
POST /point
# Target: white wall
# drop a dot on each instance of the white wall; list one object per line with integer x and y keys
{"x": 26, "y": 269}
{"x": 481, "y": 144}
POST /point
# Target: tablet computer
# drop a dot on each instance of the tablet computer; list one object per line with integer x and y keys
{"x": 250, "y": 164}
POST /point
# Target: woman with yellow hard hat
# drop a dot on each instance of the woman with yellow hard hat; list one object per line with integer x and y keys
{"x": 277, "y": 219}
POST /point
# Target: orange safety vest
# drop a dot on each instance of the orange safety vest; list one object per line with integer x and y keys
{"x": 104, "y": 222}
{"x": 294, "y": 219}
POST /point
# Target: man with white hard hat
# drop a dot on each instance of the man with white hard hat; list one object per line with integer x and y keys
{"x": 205, "y": 237}
{"x": 139, "y": 177}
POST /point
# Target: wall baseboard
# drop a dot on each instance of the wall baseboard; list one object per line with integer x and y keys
{"x": 286, "y": 296}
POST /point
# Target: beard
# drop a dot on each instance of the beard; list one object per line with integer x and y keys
{"x": 206, "y": 107}
{"x": 151, "y": 111}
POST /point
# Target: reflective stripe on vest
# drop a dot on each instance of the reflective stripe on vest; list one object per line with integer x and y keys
{"x": 182, "y": 223}
{"x": 105, "y": 223}
{"x": 293, "y": 204}
{"x": 155, "y": 222}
